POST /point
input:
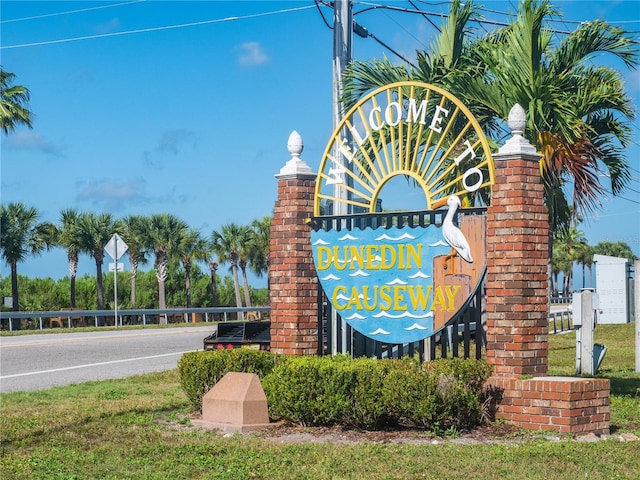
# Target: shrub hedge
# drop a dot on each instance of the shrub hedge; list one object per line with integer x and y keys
{"x": 357, "y": 393}
{"x": 200, "y": 371}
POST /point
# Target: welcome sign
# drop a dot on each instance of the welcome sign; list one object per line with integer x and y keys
{"x": 399, "y": 283}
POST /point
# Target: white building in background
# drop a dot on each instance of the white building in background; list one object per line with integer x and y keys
{"x": 614, "y": 285}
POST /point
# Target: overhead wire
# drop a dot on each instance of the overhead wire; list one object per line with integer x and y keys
{"x": 155, "y": 29}
{"x": 57, "y": 14}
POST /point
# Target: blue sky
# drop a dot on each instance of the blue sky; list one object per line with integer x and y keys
{"x": 146, "y": 107}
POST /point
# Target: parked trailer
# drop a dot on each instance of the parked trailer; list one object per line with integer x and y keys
{"x": 254, "y": 335}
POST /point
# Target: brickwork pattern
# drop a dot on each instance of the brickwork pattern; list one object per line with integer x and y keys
{"x": 561, "y": 404}
{"x": 517, "y": 312}
{"x": 293, "y": 284}
{"x": 517, "y": 280}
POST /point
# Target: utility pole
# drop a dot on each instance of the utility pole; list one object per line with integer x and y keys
{"x": 342, "y": 39}
{"x": 636, "y": 289}
{"x": 342, "y": 52}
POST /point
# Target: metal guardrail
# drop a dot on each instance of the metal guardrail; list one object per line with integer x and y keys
{"x": 560, "y": 321}
{"x": 137, "y": 316}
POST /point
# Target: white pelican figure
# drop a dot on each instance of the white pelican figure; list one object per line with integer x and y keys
{"x": 452, "y": 234}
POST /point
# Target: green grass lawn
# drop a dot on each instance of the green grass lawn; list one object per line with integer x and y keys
{"x": 130, "y": 429}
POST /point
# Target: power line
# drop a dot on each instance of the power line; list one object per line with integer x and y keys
{"x": 425, "y": 16}
{"x": 373, "y": 6}
{"x": 621, "y": 197}
{"x": 155, "y": 29}
{"x": 363, "y": 32}
{"x": 46, "y": 15}
{"x": 322, "y": 15}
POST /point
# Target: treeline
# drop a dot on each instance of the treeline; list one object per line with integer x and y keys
{"x": 45, "y": 294}
{"x": 170, "y": 244}
{"x": 570, "y": 247}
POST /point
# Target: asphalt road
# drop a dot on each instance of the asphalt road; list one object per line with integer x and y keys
{"x": 37, "y": 362}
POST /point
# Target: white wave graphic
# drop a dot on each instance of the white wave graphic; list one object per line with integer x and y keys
{"x": 320, "y": 242}
{"x": 380, "y": 332}
{"x": 419, "y": 275}
{"x": 396, "y": 281}
{"x": 439, "y": 243}
{"x": 402, "y": 315}
{"x": 359, "y": 273}
{"x": 355, "y": 316}
{"x": 348, "y": 237}
{"x": 330, "y": 277}
{"x": 417, "y": 326}
{"x": 404, "y": 236}
{"x": 343, "y": 297}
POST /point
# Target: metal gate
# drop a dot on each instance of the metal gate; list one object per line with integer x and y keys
{"x": 462, "y": 336}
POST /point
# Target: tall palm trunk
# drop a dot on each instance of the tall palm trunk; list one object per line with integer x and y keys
{"x": 73, "y": 270}
{"x": 161, "y": 275}
{"x": 187, "y": 284}
{"x": 213, "y": 266}
{"x": 236, "y": 286}
{"x": 134, "y": 274}
{"x": 100, "y": 287}
{"x": 245, "y": 283}
{"x": 15, "y": 322}
{"x": 99, "y": 284}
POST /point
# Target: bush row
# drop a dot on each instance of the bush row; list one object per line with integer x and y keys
{"x": 357, "y": 393}
{"x": 200, "y": 371}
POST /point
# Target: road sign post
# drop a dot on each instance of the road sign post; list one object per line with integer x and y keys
{"x": 116, "y": 247}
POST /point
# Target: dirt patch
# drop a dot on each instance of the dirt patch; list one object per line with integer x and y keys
{"x": 494, "y": 433}
{"x": 286, "y": 433}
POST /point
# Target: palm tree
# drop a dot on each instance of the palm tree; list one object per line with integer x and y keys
{"x": 67, "y": 238}
{"x": 14, "y": 103}
{"x": 570, "y": 241}
{"x": 559, "y": 263}
{"x": 615, "y": 249}
{"x": 22, "y": 236}
{"x": 164, "y": 232}
{"x": 94, "y": 232}
{"x": 451, "y": 58}
{"x": 134, "y": 228}
{"x": 229, "y": 244}
{"x": 577, "y": 113}
{"x": 192, "y": 247}
{"x": 259, "y": 250}
{"x": 584, "y": 257}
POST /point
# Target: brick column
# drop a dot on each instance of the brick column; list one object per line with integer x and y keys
{"x": 517, "y": 304}
{"x": 293, "y": 283}
{"x": 517, "y": 261}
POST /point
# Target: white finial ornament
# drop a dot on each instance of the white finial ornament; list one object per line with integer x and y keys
{"x": 295, "y": 166}
{"x": 517, "y": 120}
{"x": 295, "y": 144}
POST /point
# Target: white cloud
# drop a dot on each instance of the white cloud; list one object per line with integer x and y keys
{"x": 171, "y": 143}
{"x": 633, "y": 81}
{"x": 252, "y": 54}
{"x": 112, "y": 194}
{"x": 32, "y": 141}
{"x": 108, "y": 27}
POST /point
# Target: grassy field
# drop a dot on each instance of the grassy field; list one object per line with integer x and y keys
{"x": 134, "y": 429}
